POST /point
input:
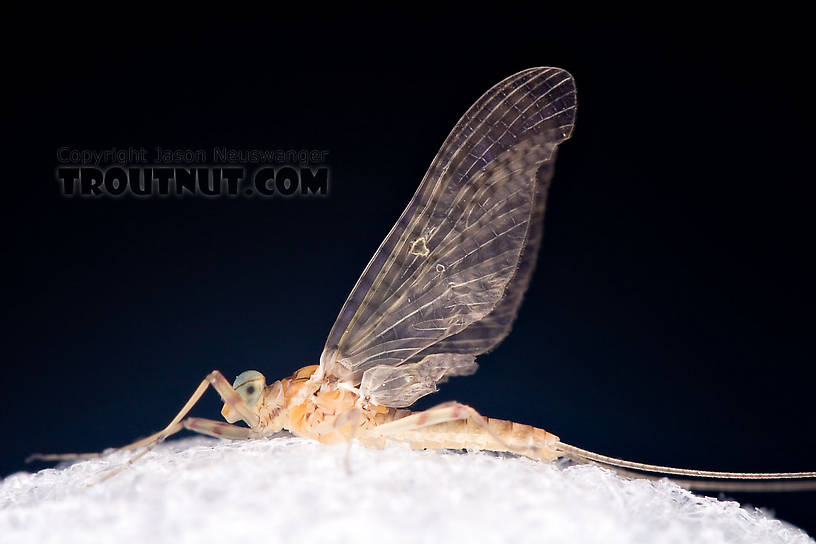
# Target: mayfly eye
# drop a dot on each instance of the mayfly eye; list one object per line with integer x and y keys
{"x": 250, "y": 385}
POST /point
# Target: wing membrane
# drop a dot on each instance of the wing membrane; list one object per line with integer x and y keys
{"x": 401, "y": 386}
{"x": 449, "y": 260}
{"x": 485, "y": 334}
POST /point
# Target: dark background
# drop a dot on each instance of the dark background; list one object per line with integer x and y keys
{"x": 669, "y": 321}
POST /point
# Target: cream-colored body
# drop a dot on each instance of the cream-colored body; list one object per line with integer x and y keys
{"x": 311, "y": 406}
{"x": 329, "y": 413}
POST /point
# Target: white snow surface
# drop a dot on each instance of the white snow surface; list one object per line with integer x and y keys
{"x": 288, "y": 489}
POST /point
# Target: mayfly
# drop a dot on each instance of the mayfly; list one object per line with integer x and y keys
{"x": 443, "y": 287}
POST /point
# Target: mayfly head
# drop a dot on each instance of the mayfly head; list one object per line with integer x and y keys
{"x": 265, "y": 402}
{"x": 250, "y": 384}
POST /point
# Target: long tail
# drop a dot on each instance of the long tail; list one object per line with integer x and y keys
{"x": 743, "y": 485}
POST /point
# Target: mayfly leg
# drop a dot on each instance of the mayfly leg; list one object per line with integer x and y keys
{"x": 350, "y": 418}
{"x": 441, "y": 413}
{"x": 222, "y": 387}
{"x": 209, "y": 427}
{"x": 227, "y": 394}
{"x": 218, "y": 429}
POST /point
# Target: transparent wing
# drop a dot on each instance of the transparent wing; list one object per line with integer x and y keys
{"x": 485, "y": 334}
{"x": 401, "y": 386}
{"x": 447, "y": 262}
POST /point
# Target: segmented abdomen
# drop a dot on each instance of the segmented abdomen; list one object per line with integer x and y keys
{"x": 500, "y": 435}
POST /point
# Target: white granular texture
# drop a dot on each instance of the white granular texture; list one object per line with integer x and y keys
{"x": 292, "y": 490}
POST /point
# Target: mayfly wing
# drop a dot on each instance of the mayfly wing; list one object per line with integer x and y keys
{"x": 485, "y": 334}
{"x": 401, "y": 386}
{"x": 447, "y": 262}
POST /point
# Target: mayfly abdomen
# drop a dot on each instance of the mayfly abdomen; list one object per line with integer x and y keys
{"x": 484, "y": 433}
